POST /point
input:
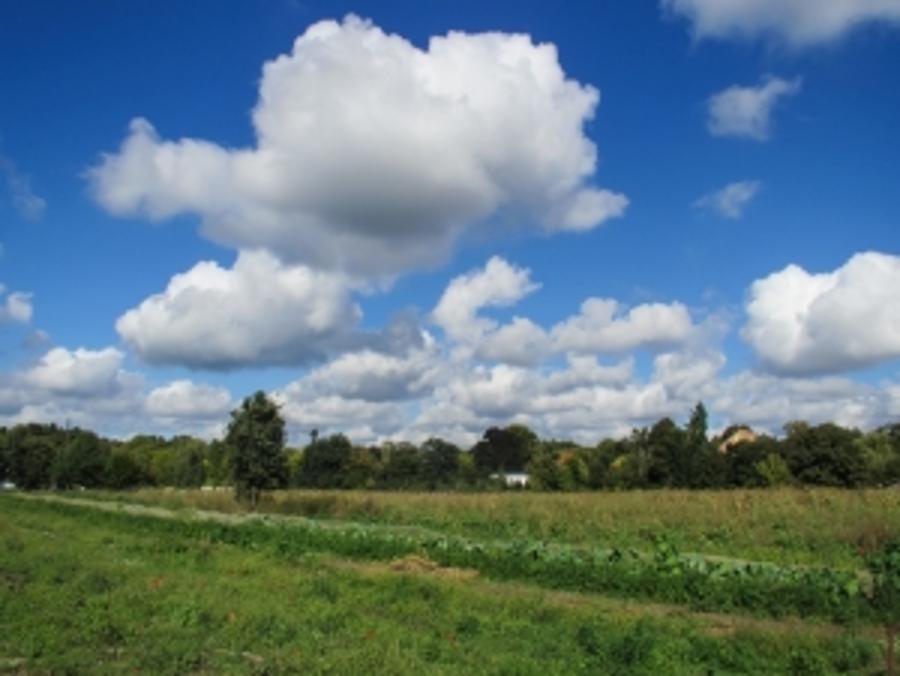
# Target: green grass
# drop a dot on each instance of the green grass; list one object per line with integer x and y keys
{"x": 790, "y": 526}
{"x": 84, "y": 592}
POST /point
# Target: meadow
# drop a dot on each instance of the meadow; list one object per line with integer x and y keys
{"x": 439, "y": 583}
{"x": 794, "y": 526}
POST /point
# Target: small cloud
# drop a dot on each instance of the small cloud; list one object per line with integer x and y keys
{"x": 36, "y": 340}
{"x": 30, "y": 207}
{"x": 16, "y": 307}
{"x": 746, "y": 112}
{"x": 731, "y": 200}
{"x": 797, "y": 23}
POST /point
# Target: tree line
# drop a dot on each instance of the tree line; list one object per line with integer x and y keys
{"x": 252, "y": 457}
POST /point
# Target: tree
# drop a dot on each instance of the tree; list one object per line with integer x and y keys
{"x": 82, "y": 461}
{"x": 31, "y": 450}
{"x": 826, "y": 455}
{"x": 666, "y": 442}
{"x": 881, "y": 454}
{"x": 702, "y": 466}
{"x": 256, "y": 438}
{"x": 505, "y": 450}
{"x": 4, "y": 454}
{"x": 402, "y": 465}
{"x": 123, "y": 471}
{"x": 324, "y": 462}
{"x": 440, "y": 465}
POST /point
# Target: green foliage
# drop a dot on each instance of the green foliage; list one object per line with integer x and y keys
{"x": 884, "y": 565}
{"x": 82, "y": 461}
{"x": 774, "y": 471}
{"x": 31, "y": 452}
{"x": 256, "y": 437}
{"x": 880, "y": 451}
{"x": 507, "y": 449}
{"x": 86, "y": 592}
{"x": 544, "y": 470}
{"x": 825, "y": 455}
{"x": 663, "y": 455}
{"x": 667, "y": 446}
{"x": 401, "y": 466}
{"x": 324, "y": 462}
{"x": 123, "y": 471}
{"x": 662, "y": 574}
{"x": 440, "y": 463}
{"x": 217, "y": 464}
{"x": 4, "y": 454}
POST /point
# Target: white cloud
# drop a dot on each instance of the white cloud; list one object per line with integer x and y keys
{"x": 746, "y": 111}
{"x": 767, "y": 401}
{"x": 731, "y": 200}
{"x": 374, "y": 156}
{"x": 601, "y": 326}
{"x": 91, "y": 389}
{"x": 79, "y": 372}
{"x": 186, "y": 399}
{"x": 372, "y": 376}
{"x": 30, "y": 206}
{"x": 260, "y": 311}
{"x": 520, "y": 342}
{"x": 799, "y": 23}
{"x": 364, "y": 421}
{"x": 800, "y": 322}
{"x": 16, "y": 307}
{"x": 499, "y": 284}
{"x": 689, "y": 374}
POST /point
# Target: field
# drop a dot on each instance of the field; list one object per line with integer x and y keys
{"x": 431, "y": 583}
{"x": 792, "y": 526}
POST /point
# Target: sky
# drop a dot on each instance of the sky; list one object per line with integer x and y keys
{"x": 404, "y": 220}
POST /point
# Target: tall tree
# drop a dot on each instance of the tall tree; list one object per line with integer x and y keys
{"x": 256, "y": 438}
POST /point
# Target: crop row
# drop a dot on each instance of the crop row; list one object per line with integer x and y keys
{"x": 663, "y": 574}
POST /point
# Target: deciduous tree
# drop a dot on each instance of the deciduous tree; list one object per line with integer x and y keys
{"x": 256, "y": 438}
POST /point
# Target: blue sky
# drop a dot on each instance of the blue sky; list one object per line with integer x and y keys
{"x": 580, "y": 216}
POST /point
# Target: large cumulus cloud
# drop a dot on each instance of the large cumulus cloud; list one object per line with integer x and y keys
{"x": 260, "y": 311}
{"x": 804, "y": 323}
{"x": 374, "y": 156}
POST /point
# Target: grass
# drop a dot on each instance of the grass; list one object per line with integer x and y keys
{"x": 89, "y": 593}
{"x": 789, "y": 526}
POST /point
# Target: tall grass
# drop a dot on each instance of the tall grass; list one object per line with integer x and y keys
{"x": 800, "y": 526}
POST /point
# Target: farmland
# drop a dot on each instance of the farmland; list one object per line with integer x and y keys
{"x": 480, "y": 583}
{"x": 792, "y": 526}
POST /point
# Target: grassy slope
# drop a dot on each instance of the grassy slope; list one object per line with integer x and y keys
{"x": 794, "y": 526}
{"x": 81, "y": 594}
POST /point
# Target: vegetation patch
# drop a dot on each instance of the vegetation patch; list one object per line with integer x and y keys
{"x": 114, "y": 592}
